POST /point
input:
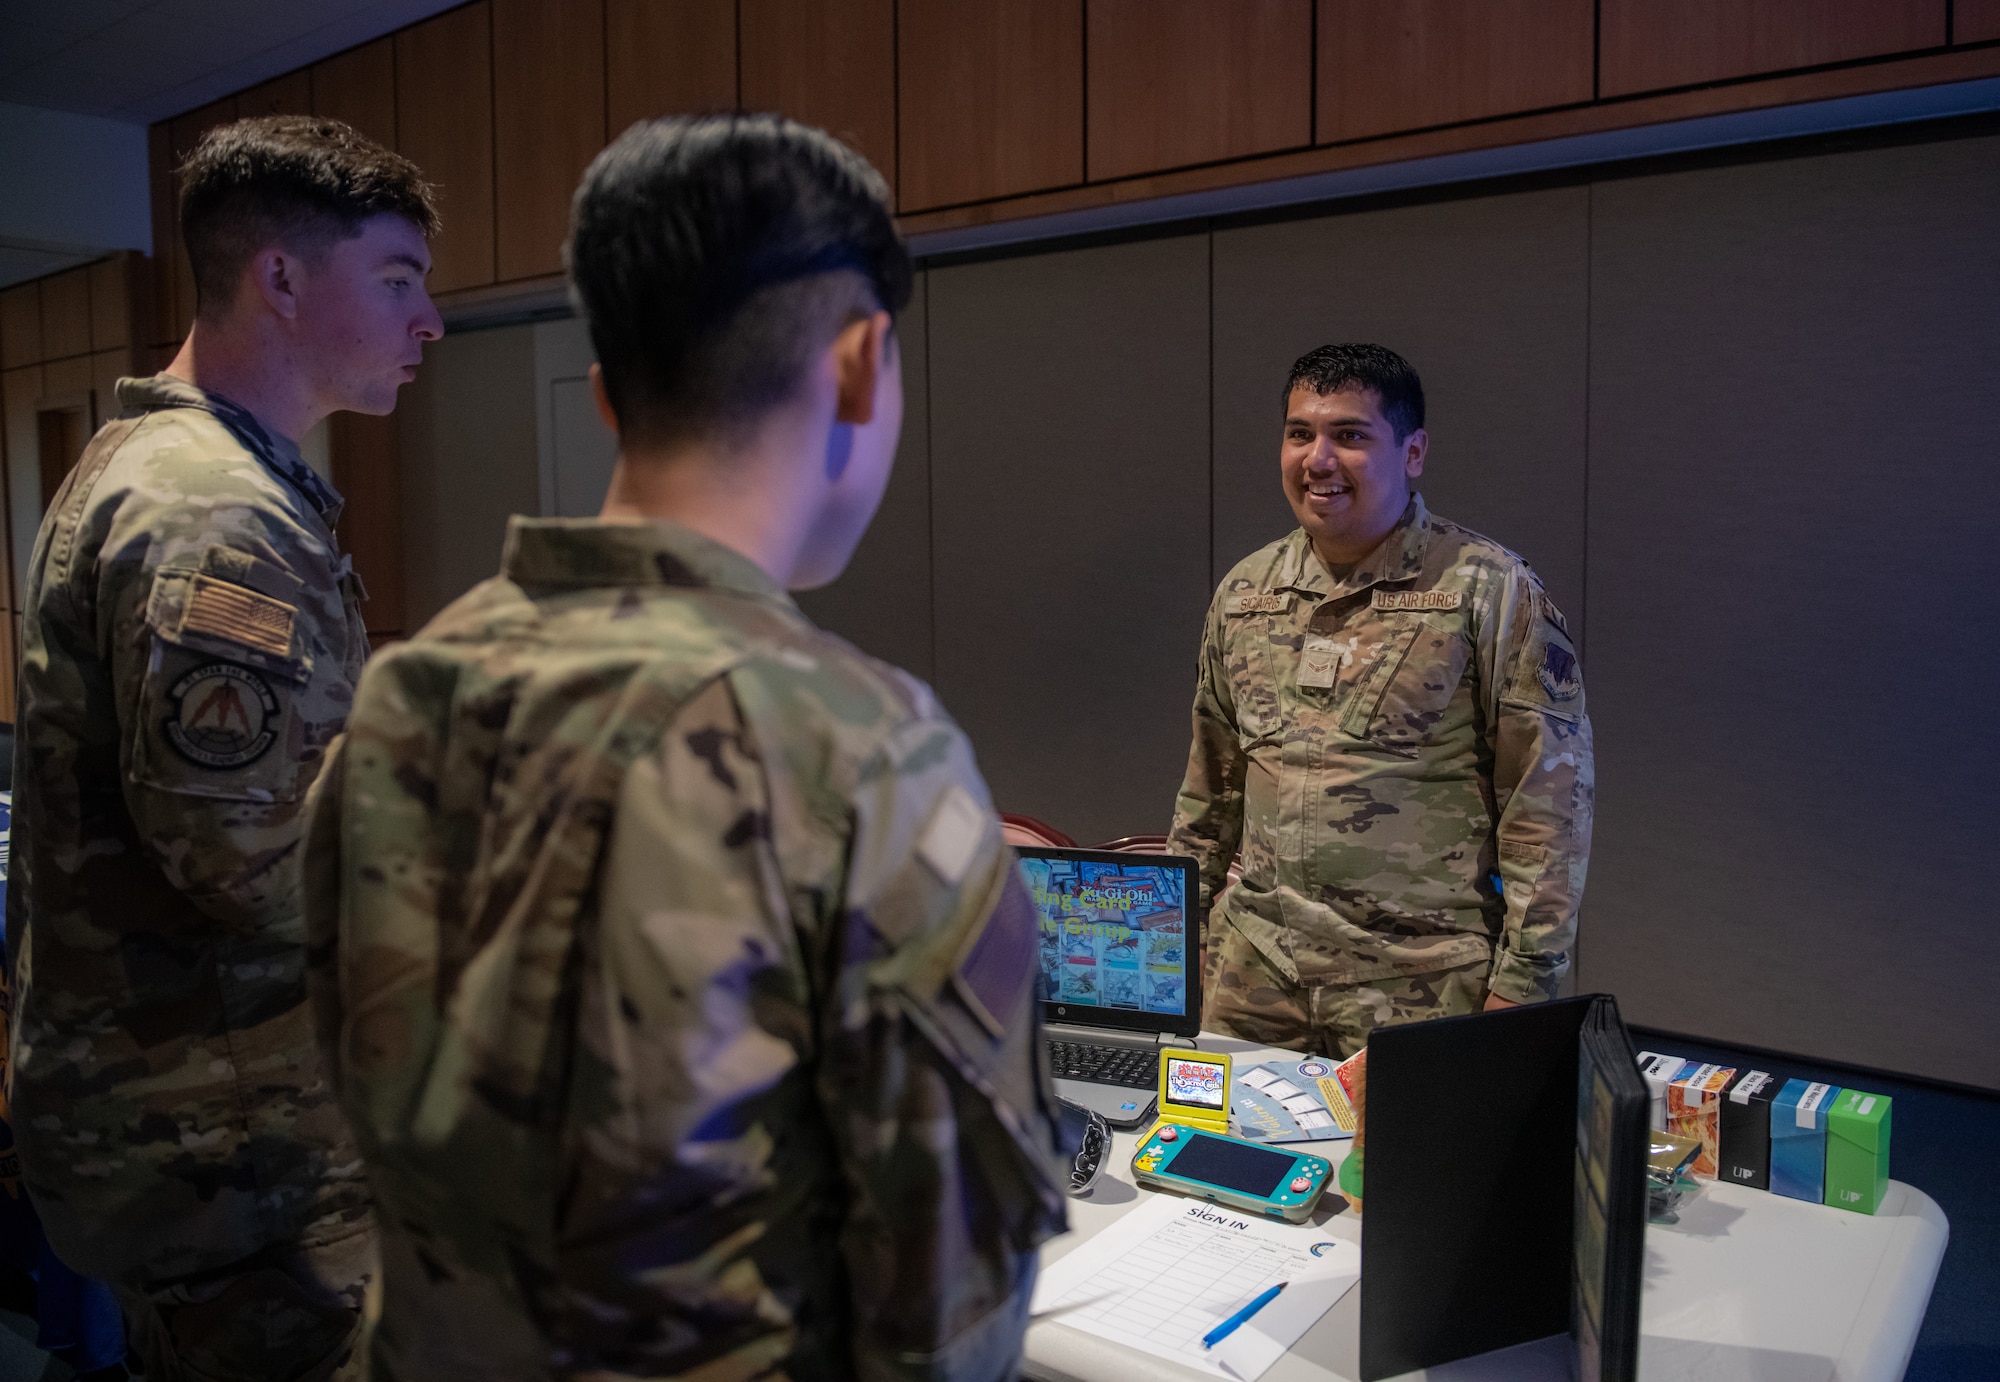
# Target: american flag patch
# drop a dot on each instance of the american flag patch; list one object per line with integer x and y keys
{"x": 223, "y": 610}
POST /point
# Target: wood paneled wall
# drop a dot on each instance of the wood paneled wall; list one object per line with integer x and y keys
{"x": 64, "y": 341}
{"x": 978, "y": 110}
{"x": 981, "y": 110}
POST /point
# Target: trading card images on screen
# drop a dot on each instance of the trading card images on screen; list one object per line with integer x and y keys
{"x": 1114, "y": 935}
{"x": 1195, "y": 1082}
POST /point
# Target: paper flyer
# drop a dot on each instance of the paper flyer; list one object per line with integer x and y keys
{"x": 1292, "y": 1101}
{"x": 1173, "y": 1269}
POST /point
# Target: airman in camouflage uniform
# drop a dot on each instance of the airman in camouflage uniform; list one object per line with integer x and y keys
{"x": 191, "y": 638}
{"x": 1400, "y": 752}
{"x": 189, "y": 650}
{"x": 681, "y": 984}
{"x": 685, "y": 1004}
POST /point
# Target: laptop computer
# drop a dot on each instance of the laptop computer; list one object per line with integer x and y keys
{"x": 1120, "y": 971}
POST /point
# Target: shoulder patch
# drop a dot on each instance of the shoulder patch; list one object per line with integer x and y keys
{"x": 1418, "y": 599}
{"x": 1264, "y": 602}
{"x": 222, "y": 716}
{"x": 226, "y": 610}
{"x": 1559, "y": 674}
{"x": 1554, "y": 615}
{"x": 951, "y": 837}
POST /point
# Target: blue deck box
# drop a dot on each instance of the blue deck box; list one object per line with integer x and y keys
{"x": 1798, "y": 1139}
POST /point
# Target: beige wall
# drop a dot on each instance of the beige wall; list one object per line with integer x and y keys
{"x": 1738, "y": 415}
{"x": 467, "y": 431}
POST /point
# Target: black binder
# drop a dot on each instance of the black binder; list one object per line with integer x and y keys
{"x": 1505, "y": 1189}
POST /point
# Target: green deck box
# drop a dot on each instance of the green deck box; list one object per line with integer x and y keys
{"x": 1857, "y": 1151}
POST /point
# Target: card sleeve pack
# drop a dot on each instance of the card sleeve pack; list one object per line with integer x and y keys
{"x": 1745, "y": 1126}
{"x": 1798, "y": 1139}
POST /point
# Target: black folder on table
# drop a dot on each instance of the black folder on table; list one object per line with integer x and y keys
{"x": 1505, "y": 1189}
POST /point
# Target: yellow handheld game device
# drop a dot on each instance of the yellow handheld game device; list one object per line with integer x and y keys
{"x": 1195, "y": 1089}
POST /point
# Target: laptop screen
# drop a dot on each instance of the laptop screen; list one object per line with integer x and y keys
{"x": 1120, "y": 938}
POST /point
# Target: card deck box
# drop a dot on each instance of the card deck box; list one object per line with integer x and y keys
{"x": 1857, "y": 1151}
{"x": 1694, "y": 1104}
{"x": 1798, "y": 1139}
{"x": 1658, "y": 1071}
{"x": 1745, "y": 1154}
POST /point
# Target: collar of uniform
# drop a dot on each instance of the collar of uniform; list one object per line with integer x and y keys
{"x": 1398, "y": 557}
{"x": 588, "y": 552}
{"x": 279, "y": 456}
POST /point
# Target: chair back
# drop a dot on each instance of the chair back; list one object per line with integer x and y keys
{"x": 1026, "y": 830}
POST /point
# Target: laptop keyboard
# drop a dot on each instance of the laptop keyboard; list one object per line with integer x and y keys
{"x": 1126, "y": 1066}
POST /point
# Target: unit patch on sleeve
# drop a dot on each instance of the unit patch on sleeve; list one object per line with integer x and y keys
{"x": 1265, "y": 602}
{"x": 222, "y": 716}
{"x": 1418, "y": 599}
{"x": 1560, "y": 677}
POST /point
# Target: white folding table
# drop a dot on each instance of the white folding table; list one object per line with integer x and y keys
{"x": 1747, "y": 1287}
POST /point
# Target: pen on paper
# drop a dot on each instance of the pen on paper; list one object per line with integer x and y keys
{"x": 1230, "y": 1325}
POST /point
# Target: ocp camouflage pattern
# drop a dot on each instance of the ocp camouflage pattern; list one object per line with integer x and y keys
{"x": 1248, "y": 998}
{"x": 1426, "y": 808}
{"x": 681, "y": 985}
{"x": 189, "y": 647}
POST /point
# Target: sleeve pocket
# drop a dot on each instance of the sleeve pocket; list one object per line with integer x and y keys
{"x": 216, "y": 712}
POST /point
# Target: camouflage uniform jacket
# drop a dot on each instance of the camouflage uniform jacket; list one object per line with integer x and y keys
{"x": 1402, "y": 756}
{"x": 681, "y": 985}
{"x": 190, "y": 643}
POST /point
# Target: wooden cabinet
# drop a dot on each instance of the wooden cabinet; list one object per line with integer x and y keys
{"x": 1975, "y": 21}
{"x": 20, "y": 390}
{"x": 107, "y": 367}
{"x": 1392, "y": 65}
{"x": 668, "y": 57}
{"x": 111, "y": 301}
{"x": 183, "y": 134}
{"x": 548, "y": 123}
{"x": 21, "y": 325}
{"x": 367, "y": 472}
{"x": 1650, "y": 45}
{"x": 830, "y": 63}
{"x": 358, "y": 88}
{"x": 991, "y": 98}
{"x": 291, "y": 94}
{"x": 1176, "y": 82}
{"x": 66, "y": 314}
{"x": 444, "y": 125}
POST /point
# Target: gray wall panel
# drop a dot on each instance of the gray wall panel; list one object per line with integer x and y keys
{"x": 882, "y": 602}
{"x": 467, "y": 435}
{"x": 1069, "y": 435}
{"x": 1792, "y": 608}
{"x": 1486, "y": 297}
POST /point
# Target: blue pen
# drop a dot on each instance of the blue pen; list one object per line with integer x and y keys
{"x": 1230, "y": 1325}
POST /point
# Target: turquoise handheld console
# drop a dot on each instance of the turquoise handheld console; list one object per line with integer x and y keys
{"x": 1262, "y": 1179}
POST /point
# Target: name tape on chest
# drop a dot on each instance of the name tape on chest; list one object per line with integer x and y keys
{"x": 1418, "y": 599}
{"x": 1262, "y": 602}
